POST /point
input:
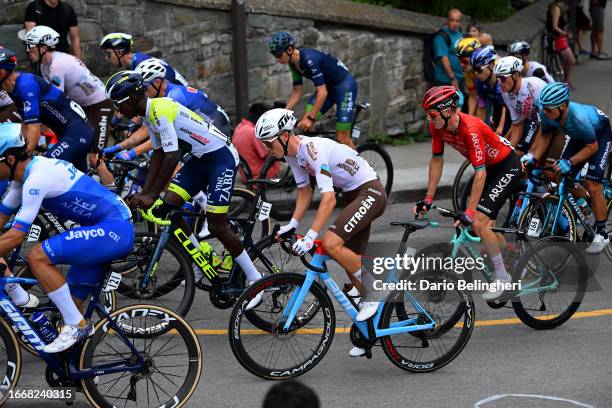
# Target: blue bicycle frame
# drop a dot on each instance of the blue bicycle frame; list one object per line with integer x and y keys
{"x": 298, "y": 296}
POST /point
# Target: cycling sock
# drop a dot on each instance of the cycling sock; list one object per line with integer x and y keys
{"x": 244, "y": 260}
{"x": 600, "y": 228}
{"x": 18, "y": 295}
{"x": 194, "y": 240}
{"x": 500, "y": 268}
{"x": 62, "y": 299}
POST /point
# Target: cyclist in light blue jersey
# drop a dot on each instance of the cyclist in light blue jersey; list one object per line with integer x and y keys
{"x": 590, "y": 139}
{"x": 333, "y": 82}
{"x": 106, "y": 232}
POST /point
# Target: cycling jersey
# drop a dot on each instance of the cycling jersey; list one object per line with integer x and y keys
{"x": 72, "y": 77}
{"x": 171, "y": 124}
{"x": 332, "y": 165}
{"x": 5, "y": 99}
{"x": 320, "y": 67}
{"x": 488, "y": 94}
{"x": 535, "y": 69}
{"x": 523, "y": 105}
{"x": 474, "y": 140}
{"x": 199, "y": 102}
{"x": 470, "y": 81}
{"x": 172, "y": 75}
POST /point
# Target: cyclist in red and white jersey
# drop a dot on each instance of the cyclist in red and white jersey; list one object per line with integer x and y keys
{"x": 520, "y": 96}
{"x": 497, "y": 170}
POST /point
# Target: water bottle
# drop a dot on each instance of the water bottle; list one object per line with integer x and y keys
{"x": 586, "y": 210}
{"x": 44, "y": 326}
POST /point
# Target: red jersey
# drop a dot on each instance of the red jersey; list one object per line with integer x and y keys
{"x": 476, "y": 141}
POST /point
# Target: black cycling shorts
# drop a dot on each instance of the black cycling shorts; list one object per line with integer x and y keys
{"x": 503, "y": 179}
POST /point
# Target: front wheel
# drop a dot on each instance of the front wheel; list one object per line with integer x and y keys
{"x": 379, "y": 159}
{"x": 10, "y": 361}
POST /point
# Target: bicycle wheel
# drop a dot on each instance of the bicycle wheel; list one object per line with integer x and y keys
{"x": 608, "y": 249}
{"x": 379, "y": 159}
{"x": 464, "y": 174}
{"x": 550, "y": 292}
{"x": 10, "y": 360}
{"x": 281, "y": 195}
{"x": 276, "y": 354}
{"x": 172, "y": 360}
{"x": 166, "y": 288}
{"x": 428, "y": 350}
{"x": 244, "y": 172}
{"x": 538, "y": 217}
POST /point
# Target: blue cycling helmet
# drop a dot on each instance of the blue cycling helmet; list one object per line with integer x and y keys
{"x": 554, "y": 95}
{"x": 8, "y": 59}
{"x": 483, "y": 56}
{"x": 122, "y": 85}
{"x": 280, "y": 42}
{"x": 11, "y": 139}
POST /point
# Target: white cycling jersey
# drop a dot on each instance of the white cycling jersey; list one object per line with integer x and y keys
{"x": 170, "y": 122}
{"x": 5, "y": 99}
{"x": 72, "y": 77}
{"x": 331, "y": 163}
{"x": 523, "y": 105}
{"x": 534, "y": 65}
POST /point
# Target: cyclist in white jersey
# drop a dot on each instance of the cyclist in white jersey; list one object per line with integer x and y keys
{"x": 72, "y": 77}
{"x": 521, "y": 50}
{"x": 520, "y": 96}
{"x": 332, "y": 165}
{"x": 211, "y": 168}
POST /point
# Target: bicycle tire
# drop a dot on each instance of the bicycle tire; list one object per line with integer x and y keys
{"x": 608, "y": 249}
{"x": 278, "y": 287}
{"x": 244, "y": 171}
{"x": 458, "y": 185}
{"x": 133, "y": 266}
{"x": 523, "y": 267}
{"x": 467, "y": 310}
{"x": 538, "y": 209}
{"x": 386, "y": 175}
{"x": 10, "y": 360}
{"x": 179, "y": 328}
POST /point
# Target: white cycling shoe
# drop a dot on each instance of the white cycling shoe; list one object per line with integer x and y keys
{"x": 32, "y": 302}
{"x": 357, "y": 352}
{"x": 68, "y": 337}
{"x": 493, "y": 293}
{"x": 598, "y": 245}
{"x": 367, "y": 310}
{"x": 257, "y": 299}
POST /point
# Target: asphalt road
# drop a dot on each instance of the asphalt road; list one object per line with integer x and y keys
{"x": 505, "y": 364}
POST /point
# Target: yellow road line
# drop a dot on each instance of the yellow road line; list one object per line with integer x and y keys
{"x": 484, "y": 323}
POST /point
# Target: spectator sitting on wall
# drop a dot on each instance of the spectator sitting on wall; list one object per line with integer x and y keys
{"x": 61, "y": 17}
{"x": 248, "y": 146}
{"x": 291, "y": 394}
{"x": 447, "y": 69}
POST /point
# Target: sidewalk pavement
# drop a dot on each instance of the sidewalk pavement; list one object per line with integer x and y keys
{"x": 593, "y": 82}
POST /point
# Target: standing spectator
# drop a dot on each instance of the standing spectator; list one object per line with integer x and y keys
{"x": 291, "y": 394}
{"x": 597, "y": 9}
{"x": 61, "y": 17}
{"x": 583, "y": 24}
{"x": 556, "y": 23}
{"x": 448, "y": 70}
{"x": 248, "y": 146}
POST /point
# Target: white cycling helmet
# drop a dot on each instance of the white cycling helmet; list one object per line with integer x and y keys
{"x": 507, "y": 65}
{"x": 40, "y": 35}
{"x": 151, "y": 69}
{"x": 274, "y": 122}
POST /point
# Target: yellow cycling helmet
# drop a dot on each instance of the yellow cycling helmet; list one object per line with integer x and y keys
{"x": 466, "y": 46}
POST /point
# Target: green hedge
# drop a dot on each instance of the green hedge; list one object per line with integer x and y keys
{"x": 477, "y": 9}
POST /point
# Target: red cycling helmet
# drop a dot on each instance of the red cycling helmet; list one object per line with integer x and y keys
{"x": 441, "y": 98}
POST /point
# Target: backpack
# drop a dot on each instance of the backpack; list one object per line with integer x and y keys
{"x": 429, "y": 60}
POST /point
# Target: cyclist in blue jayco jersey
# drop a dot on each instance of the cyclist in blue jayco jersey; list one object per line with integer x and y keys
{"x": 106, "y": 231}
{"x": 40, "y": 103}
{"x": 333, "y": 82}
{"x": 590, "y": 138}
{"x": 118, "y": 51}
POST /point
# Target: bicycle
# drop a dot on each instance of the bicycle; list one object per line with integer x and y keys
{"x": 299, "y": 308}
{"x": 283, "y": 194}
{"x": 532, "y": 267}
{"x": 552, "y": 59}
{"x": 141, "y": 348}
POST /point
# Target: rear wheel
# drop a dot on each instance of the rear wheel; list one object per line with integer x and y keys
{"x": 379, "y": 159}
{"x": 10, "y": 361}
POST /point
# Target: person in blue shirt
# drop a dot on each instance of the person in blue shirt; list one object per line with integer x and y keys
{"x": 105, "y": 233}
{"x": 40, "y": 103}
{"x": 448, "y": 70}
{"x": 334, "y": 84}
{"x": 590, "y": 140}
{"x": 118, "y": 52}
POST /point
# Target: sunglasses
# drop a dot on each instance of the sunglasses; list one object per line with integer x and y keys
{"x": 550, "y": 109}
{"x": 503, "y": 78}
{"x": 30, "y": 46}
{"x": 277, "y": 55}
{"x": 464, "y": 61}
{"x": 432, "y": 114}
{"x": 268, "y": 143}
{"x": 480, "y": 70}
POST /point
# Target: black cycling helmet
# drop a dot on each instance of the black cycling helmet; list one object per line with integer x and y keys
{"x": 279, "y": 42}
{"x": 8, "y": 59}
{"x": 122, "y": 85}
{"x": 117, "y": 41}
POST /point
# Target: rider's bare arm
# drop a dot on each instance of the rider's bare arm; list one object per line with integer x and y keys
{"x": 304, "y": 196}
{"x": 325, "y": 210}
{"x": 477, "y": 188}
{"x": 436, "y": 165}
{"x": 31, "y": 132}
{"x": 296, "y": 94}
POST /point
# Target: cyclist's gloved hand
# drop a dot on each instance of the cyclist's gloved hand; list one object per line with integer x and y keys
{"x": 467, "y": 217}
{"x": 107, "y": 151}
{"x": 132, "y": 126}
{"x": 304, "y": 244}
{"x": 528, "y": 161}
{"x": 423, "y": 205}
{"x": 126, "y": 155}
{"x": 289, "y": 229}
{"x": 563, "y": 166}
{"x": 115, "y": 121}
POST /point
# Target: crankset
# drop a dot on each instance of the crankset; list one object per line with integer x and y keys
{"x": 359, "y": 341}
{"x": 222, "y": 300}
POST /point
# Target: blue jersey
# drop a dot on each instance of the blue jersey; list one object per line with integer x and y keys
{"x": 172, "y": 75}
{"x": 584, "y": 123}
{"x": 320, "y": 67}
{"x": 198, "y": 102}
{"x": 41, "y": 102}
{"x": 488, "y": 94}
{"x": 63, "y": 190}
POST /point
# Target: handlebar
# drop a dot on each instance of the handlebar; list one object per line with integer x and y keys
{"x": 455, "y": 215}
{"x": 287, "y": 243}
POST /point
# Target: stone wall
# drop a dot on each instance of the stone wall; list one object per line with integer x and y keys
{"x": 381, "y": 47}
